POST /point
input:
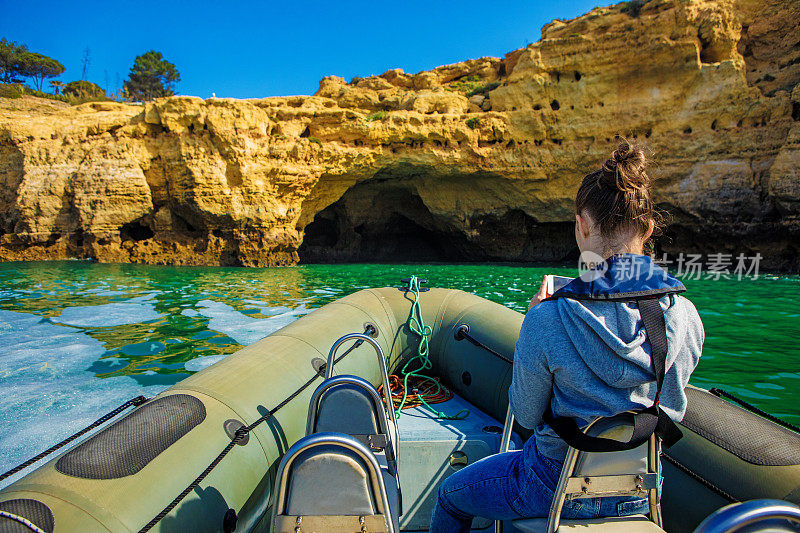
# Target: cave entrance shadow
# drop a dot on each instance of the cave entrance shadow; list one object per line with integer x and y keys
{"x": 385, "y": 219}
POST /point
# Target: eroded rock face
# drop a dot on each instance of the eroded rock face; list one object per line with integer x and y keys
{"x": 478, "y": 160}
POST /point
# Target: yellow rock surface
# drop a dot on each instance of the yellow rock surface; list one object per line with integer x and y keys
{"x": 479, "y": 160}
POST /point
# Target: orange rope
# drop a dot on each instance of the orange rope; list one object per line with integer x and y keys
{"x": 421, "y": 387}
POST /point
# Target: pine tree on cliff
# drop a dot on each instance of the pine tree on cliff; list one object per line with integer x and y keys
{"x": 11, "y": 64}
{"x": 38, "y": 67}
{"x": 18, "y": 63}
{"x": 151, "y": 77}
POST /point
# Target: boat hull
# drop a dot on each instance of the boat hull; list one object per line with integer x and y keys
{"x": 248, "y": 384}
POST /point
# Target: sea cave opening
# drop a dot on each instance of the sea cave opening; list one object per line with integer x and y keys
{"x": 385, "y": 219}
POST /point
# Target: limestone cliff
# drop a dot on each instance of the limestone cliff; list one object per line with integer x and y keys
{"x": 478, "y": 160}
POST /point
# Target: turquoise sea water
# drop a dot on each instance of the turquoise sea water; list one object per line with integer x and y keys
{"x": 77, "y": 339}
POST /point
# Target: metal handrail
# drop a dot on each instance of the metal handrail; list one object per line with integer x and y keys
{"x": 654, "y": 497}
{"x": 324, "y": 439}
{"x": 505, "y": 444}
{"x": 559, "y": 495}
{"x": 384, "y": 375}
{"x": 738, "y": 515}
{"x": 508, "y": 425}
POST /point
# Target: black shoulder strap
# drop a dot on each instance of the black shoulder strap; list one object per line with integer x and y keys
{"x": 656, "y": 327}
{"x": 645, "y": 422}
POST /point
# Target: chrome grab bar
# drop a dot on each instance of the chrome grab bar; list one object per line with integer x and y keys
{"x": 654, "y": 496}
{"x": 384, "y": 376}
{"x": 738, "y": 515}
{"x": 383, "y": 424}
{"x": 505, "y": 444}
{"x": 505, "y": 439}
{"x": 311, "y": 421}
{"x": 554, "y": 516}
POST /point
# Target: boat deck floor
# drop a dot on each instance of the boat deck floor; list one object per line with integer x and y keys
{"x": 432, "y": 448}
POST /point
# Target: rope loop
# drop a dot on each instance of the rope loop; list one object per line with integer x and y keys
{"x": 435, "y": 392}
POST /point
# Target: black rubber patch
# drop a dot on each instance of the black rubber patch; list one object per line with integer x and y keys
{"x": 318, "y": 364}
{"x": 231, "y": 426}
{"x": 746, "y": 435}
{"x": 128, "y": 445}
{"x": 33, "y": 510}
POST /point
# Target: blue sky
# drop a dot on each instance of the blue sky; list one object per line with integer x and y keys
{"x": 255, "y": 49}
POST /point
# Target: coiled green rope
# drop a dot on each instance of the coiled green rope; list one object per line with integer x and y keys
{"x": 417, "y": 326}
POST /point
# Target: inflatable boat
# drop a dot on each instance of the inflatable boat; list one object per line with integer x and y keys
{"x": 237, "y": 446}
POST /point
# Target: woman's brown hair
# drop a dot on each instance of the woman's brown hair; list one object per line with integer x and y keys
{"x": 617, "y": 196}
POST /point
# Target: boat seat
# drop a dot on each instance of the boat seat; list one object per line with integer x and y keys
{"x": 350, "y": 404}
{"x": 331, "y": 482}
{"x": 604, "y": 474}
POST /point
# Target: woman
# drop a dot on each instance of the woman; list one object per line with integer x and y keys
{"x": 583, "y": 358}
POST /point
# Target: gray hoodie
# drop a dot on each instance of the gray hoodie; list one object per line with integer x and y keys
{"x": 589, "y": 358}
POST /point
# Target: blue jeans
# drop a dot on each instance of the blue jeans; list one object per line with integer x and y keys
{"x": 503, "y": 487}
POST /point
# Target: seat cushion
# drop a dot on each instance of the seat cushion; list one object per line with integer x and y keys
{"x": 333, "y": 481}
{"x": 609, "y": 464}
{"x": 329, "y": 480}
{"x": 623, "y": 524}
{"x": 347, "y": 408}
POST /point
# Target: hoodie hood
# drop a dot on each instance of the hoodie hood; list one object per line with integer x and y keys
{"x": 605, "y": 326}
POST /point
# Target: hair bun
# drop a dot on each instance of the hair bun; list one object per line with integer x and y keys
{"x": 625, "y": 170}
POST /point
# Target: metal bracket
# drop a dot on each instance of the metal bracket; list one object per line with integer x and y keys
{"x": 407, "y": 281}
{"x": 337, "y": 524}
{"x": 581, "y": 487}
{"x": 375, "y": 442}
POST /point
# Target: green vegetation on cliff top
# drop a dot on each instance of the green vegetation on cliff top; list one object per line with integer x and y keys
{"x": 150, "y": 77}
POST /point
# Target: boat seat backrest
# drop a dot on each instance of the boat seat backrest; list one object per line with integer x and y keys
{"x": 347, "y": 408}
{"x": 350, "y": 404}
{"x": 610, "y": 463}
{"x": 327, "y": 480}
{"x": 604, "y": 474}
{"x": 331, "y": 482}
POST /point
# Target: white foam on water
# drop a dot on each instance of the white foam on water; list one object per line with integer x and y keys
{"x": 242, "y": 328}
{"x": 145, "y": 297}
{"x": 327, "y": 291}
{"x": 266, "y": 309}
{"x": 199, "y": 363}
{"x": 114, "y": 314}
{"x": 53, "y": 395}
{"x": 101, "y": 292}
